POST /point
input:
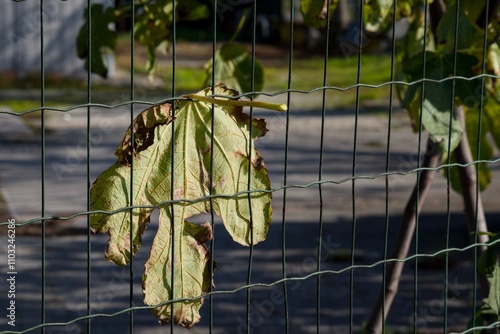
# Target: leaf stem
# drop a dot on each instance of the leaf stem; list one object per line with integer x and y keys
{"x": 238, "y": 103}
{"x": 240, "y": 26}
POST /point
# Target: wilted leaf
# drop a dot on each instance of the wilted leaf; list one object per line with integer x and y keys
{"x": 156, "y": 135}
{"x": 233, "y": 66}
{"x": 102, "y": 39}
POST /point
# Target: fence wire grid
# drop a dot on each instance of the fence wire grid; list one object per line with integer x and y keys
{"x": 341, "y": 178}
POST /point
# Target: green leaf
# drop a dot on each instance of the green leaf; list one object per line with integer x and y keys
{"x": 437, "y": 104}
{"x": 233, "y": 66}
{"x": 493, "y": 299}
{"x": 492, "y": 110}
{"x": 412, "y": 43}
{"x": 438, "y": 124}
{"x": 468, "y": 32}
{"x": 234, "y": 158}
{"x": 487, "y": 262}
{"x": 472, "y": 9}
{"x": 152, "y": 29}
{"x": 314, "y": 12}
{"x": 152, "y": 26}
{"x": 376, "y": 13}
{"x": 192, "y": 10}
{"x": 102, "y": 39}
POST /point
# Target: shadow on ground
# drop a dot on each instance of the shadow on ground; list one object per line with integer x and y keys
{"x": 345, "y": 295}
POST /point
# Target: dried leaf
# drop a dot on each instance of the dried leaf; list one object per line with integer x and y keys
{"x": 156, "y": 136}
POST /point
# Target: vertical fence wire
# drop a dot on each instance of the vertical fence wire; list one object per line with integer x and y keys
{"x": 477, "y": 157}
{"x": 353, "y": 171}
{"x": 43, "y": 160}
{"x": 448, "y": 161}
{"x": 320, "y": 168}
{"x": 249, "y": 178}
{"x": 419, "y": 162}
{"x": 172, "y": 163}
{"x": 89, "y": 101}
{"x": 131, "y": 180}
{"x": 285, "y": 168}
{"x": 211, "y": 176}
{"x": 388, "y": 157}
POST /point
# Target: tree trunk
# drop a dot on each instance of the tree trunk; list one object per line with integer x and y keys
{"x": 403, "y": 239}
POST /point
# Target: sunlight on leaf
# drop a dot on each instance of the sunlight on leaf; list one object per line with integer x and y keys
{"x": 156, "y": 136}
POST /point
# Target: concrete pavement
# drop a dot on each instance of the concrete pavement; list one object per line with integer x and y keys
{"x": 66, "y": 254}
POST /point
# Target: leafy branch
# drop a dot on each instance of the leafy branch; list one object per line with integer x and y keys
{"x": 448, "y": 50}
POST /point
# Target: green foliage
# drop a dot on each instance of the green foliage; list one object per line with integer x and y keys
{"x": 152, "y": 27}
{"x": 492, "y": 302}
{"x": 314, "y": 12}
{"x": 468, "y": 33}
{"x": 234, "y": 157}
{"x": 233, "y": 66}
{"x": 488, "y": 259}
{"x": 436, "y": 109}
{"x": 490, "y": 267}
{"x": 376, "y": 13}
{"x": 444, "y": 58}
{"x": 102, "y": 39}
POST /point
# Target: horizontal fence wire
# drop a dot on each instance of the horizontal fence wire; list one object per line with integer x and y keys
{"x": 322, "y": 181}
{"x": 246, "y": 192}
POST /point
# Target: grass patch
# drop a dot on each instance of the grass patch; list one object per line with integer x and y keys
{"x": 341, "y": 73}
{"x": 307, "y": 75}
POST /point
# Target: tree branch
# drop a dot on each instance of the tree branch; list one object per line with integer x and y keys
{"x": 469, "y": 190}
{"x": 403, "y": 239}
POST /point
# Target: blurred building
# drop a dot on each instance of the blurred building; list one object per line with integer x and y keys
{"x": 20, "y": 54}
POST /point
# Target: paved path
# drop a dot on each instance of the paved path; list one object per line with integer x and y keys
{"x": 65, "y": 194}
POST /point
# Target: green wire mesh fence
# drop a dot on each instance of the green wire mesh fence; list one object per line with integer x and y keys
{"x": 366, "y": 236}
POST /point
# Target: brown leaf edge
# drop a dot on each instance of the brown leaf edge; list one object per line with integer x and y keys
{"x": 144, "y": 126}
